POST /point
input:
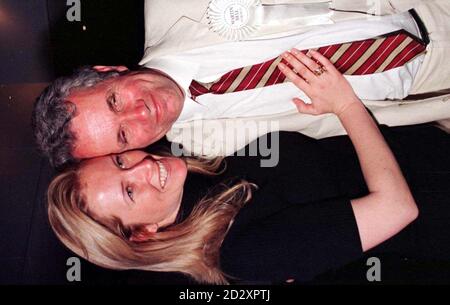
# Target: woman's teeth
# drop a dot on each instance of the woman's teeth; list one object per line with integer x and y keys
{"x": 162, "y": 174}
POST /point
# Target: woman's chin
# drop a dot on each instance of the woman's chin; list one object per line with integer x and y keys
{"x": 177, "y": 172}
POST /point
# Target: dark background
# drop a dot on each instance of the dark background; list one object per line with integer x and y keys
{"x": 37, "y": 44}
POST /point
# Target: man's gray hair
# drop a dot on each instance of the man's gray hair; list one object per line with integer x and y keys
{"x": 52, "y": 114}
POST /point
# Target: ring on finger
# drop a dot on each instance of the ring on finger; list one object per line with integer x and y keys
{"x": 319, "y": 71}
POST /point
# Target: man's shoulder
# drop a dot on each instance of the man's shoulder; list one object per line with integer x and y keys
{"x": 161, "y": 15}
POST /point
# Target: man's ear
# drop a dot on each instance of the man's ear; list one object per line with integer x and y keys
{"x": 143, "y": 233}
{"x": 110, "y": 68}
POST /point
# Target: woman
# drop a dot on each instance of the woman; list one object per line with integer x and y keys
{"x": 141, "y": 211}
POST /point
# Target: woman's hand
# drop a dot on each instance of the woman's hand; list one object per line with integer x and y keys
{"x": 389, "y": 206}
{"x": 327, "y": 88}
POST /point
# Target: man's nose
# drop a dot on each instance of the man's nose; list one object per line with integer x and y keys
{"x": 139, "y": 112}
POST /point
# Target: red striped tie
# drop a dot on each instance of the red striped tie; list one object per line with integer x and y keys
{"x": 354, "y": 58}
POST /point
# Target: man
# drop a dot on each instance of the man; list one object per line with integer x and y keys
{"x": 134, "y": 109}
{"x": 106, "y": 112}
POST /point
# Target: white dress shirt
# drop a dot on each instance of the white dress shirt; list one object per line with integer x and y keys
{"x": 210, "y": 63}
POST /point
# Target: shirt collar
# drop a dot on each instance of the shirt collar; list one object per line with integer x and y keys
{"x": 181, "y": 71}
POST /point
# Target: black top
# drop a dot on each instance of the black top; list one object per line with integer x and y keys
{"x": 300, "y": 222}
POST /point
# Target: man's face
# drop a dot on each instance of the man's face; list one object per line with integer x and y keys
{"x": 123, "y": 113}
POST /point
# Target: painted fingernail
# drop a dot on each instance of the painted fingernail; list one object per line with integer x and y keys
{"x": 295, "y": 51}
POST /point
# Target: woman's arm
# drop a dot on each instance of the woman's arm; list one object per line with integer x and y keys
{"x": 390, "y": 205}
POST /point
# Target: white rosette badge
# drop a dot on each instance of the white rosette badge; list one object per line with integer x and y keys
{"x": 235, "y": 19}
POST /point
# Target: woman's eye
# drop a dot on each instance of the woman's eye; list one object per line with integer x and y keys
{"x": 130, "y": 193}
{"x": 120, "y": 162}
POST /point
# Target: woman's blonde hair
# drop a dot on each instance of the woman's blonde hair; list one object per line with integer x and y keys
{"x": 190, "y": 247}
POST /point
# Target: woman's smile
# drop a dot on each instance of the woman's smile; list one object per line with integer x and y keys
{"x": 163, "y": 173}
{"x": 151, "y": 185}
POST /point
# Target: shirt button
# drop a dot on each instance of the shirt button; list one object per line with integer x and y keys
{"x": 290, "y": 281}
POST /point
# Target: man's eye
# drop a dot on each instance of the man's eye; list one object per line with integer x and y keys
{"x": 120, "y": 162}
{"x": 123, "y": 136}
{"x": 130, "y": 193}
{"x": 114, "y": 103}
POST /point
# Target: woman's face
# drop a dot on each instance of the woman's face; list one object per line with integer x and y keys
{"x": 136, "y": 187}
